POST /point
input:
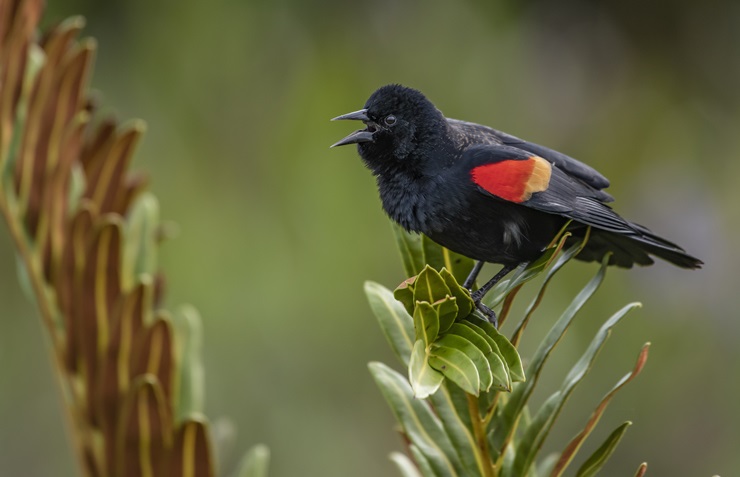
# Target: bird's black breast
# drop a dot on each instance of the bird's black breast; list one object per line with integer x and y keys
{"x": 424, "y": 204}
{"x": 448, "y": 208}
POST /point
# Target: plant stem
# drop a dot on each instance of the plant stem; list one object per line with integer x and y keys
{"x": 46, "y": 309}
{"x": 491, "y": 410}
{"x": 479, "y": 432}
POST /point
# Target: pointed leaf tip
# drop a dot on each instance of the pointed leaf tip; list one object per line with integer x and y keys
{"x": 404, "y": 465}
{"x": 395, "y": 322}
{"x": 596, "y": 461}
{"x": 255, "y": 462}
{"x": 424, "y": 379}
{"x": 429, "y": 286}
{"x": 191, "y": 453}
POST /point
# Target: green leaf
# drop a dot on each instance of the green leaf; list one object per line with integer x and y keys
{"x": 499, "y": 369}
{"x": 457, "y": 367}
{"x": 422, "y": 462}
{"x": 547, "y": 464}
{"x": 411, "y": 250}
{"x": 432, "y": 253}
{"x": 419, "y": 423}
{"x": 423, "y": 378}
{"x": 575, "y": 444}
{"x": 451, "y": 406}
{"x": 77, "y": 185}
{"x": 426, "y": 323}
{"x": 396, "y": 323}
{"x": 465, "y": 303}
{"x": 521, "y": 276}
{"x": 404, "y": 465}
{"x": 447, "y": 311}
{"x": 505, "y": 422}
{"x": 439, "y": 257}
{"x": 597, "y": 460}
{"x": 581, "y": 368}
{"x": 140, "y": 247}
{"x": 24, "y": 279}
{"x": 191, "y": 372}
{"x": 561, "y": 260}
{"x": 405, "y": 294}
{"x": 526, "y": 273}
{"x": 483, "y": 369}
{"x": 506, "y": 350}
{"x": 526, "y": 447}
{"x": 429, "y": 286}
{"x": 537, "y": 432}
{"x": 255, "y": 462}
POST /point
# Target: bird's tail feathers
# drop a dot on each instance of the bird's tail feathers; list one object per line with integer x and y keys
{"x": 635, "y": 248}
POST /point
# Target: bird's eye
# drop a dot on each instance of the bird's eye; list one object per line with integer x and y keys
{"x": 390, "y": 120}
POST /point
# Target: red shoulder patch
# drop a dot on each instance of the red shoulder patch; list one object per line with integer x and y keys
{"x": 514, "y": 180}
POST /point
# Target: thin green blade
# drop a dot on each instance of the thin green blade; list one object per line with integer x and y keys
{"x": 396, "y": 323}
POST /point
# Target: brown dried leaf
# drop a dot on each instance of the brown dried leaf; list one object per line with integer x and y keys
{"x": 144, "y": 434}
{"x": 106, "y": 174}
{"x": 155, "y": 354}
{"x": 191, "y": 453}
{"x": 18, "y": 21}
{"x": 69, "y": 281}
{"x": 98, "y": 143}
{"x": 134, "y": 184}
{"x": 53, "y": 223}
{"x": 34, "y": 153}
{"x": 115, "y": 368}
{"x": 99, "y": 295}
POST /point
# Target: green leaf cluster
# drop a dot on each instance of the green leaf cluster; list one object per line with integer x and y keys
{"x": 464, "y": 406}
{"x": 449, "y": 341}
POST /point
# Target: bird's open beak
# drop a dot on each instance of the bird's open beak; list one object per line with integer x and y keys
{"x": 363, "y": 135}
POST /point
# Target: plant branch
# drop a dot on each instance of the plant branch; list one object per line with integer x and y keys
{"x": 479, "y": 432}
{"x": 491, "y": 410}
{"x": 46, "y": 309}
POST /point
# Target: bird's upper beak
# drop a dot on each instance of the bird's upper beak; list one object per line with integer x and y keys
{"x": 363, "y": 135}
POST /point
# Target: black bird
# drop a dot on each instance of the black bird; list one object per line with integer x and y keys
{"x": 488, "y": 195}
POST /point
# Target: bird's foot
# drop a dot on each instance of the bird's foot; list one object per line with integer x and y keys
{"x": 485, "y": 311}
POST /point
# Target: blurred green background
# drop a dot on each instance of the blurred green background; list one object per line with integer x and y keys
{"x": 278, "y": 233}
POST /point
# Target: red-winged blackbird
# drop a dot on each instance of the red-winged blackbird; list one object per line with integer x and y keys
{"x": 486, "y": 194}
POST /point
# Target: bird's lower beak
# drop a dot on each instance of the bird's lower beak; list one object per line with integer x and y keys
{"x": 356, "y": 137}
{"x": 363, "y": 135}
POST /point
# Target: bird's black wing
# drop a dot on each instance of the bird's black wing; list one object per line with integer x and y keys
{"x": 573, "y": 167}
{"x": 514, "y": 175}
{"x": 519, "y": 176}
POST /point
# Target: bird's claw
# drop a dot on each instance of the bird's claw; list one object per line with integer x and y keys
{"x": 484, "y": 310}
{"x": 489, "y": 314}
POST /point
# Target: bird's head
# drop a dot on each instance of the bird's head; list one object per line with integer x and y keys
{"x": 398, "y": 120}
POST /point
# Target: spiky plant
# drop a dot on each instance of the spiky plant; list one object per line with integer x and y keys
{"x": 86, "y": 233}
{"x": 463, "y": 407}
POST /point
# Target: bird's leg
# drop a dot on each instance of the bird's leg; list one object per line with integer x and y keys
{"x": 473, "y": 275}
{"x": 481, "y": 292}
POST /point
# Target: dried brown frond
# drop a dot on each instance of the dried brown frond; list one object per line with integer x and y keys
{"x": 87, "y": 233}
